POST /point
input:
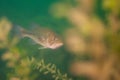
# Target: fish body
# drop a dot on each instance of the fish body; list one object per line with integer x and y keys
{"x": 43, "y": 36}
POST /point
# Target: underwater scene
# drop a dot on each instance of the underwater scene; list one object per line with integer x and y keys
{"x": 59, "y": 40}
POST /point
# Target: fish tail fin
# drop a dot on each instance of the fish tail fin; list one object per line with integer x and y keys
{"x": 19, "y": 31}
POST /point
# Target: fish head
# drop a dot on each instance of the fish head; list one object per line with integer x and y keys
{"x": 56, "y": 43}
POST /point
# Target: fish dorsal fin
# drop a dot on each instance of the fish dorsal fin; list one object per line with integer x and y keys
{"x": 37, "y": 29}
{"x": 34, "y": 26}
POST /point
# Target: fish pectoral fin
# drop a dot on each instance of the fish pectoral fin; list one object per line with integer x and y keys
{"x": 42, "y": 47}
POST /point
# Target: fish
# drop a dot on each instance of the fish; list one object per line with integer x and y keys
{"x": 42, "y": 36}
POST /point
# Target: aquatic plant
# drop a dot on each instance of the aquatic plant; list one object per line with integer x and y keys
{"x": 48, "y": 69}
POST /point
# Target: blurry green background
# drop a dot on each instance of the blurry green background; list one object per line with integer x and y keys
{"x": 25, "y": 11}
